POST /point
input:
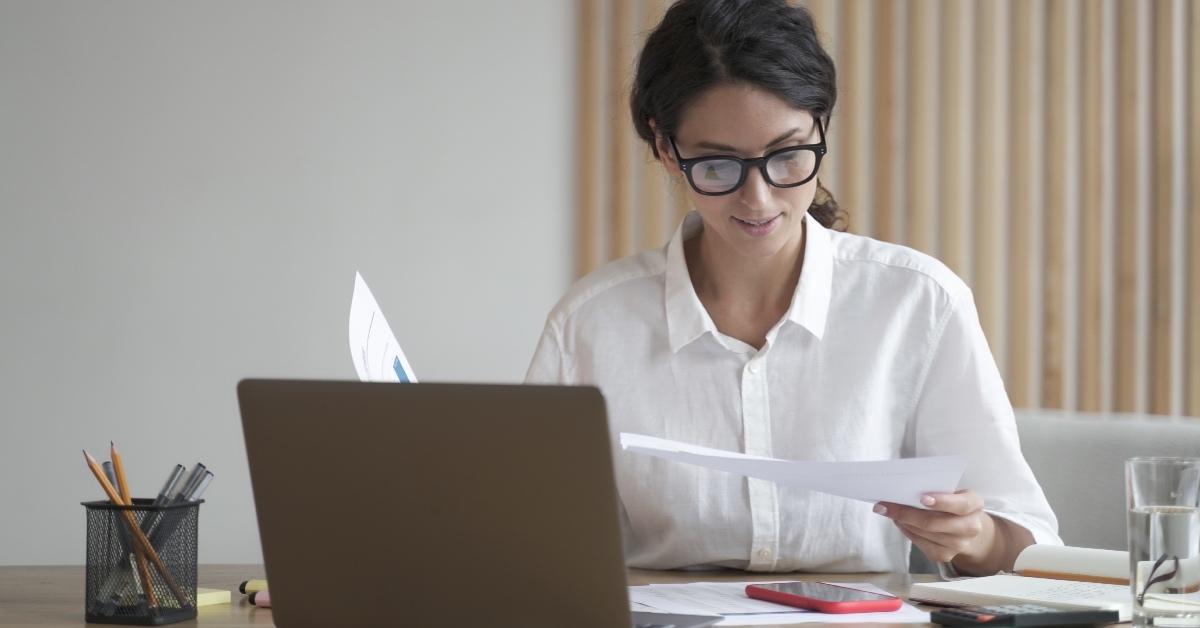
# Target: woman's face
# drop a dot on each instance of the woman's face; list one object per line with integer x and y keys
{"x": 757, "y": 220}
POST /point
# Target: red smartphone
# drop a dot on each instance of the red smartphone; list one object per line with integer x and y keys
{"x": 826, "y": 598}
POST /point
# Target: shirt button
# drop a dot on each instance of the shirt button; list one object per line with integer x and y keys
{"x": 753, "y": 367}
{"x": 764, "y": 553}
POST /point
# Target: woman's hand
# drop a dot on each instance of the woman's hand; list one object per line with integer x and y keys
{"x": 956, "y": 529}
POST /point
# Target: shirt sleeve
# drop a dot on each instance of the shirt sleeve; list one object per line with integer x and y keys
{"x": 548, "y": 364}
{"x": 964, "y": 409}
{"x": 549, "y": 367}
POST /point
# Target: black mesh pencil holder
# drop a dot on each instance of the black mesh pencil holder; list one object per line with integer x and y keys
{"x": 144, "y": 575}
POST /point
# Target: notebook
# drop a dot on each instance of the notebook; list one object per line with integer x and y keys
{"x": 1074, "y": 563}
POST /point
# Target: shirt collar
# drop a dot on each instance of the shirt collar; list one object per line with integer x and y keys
{"x": 687, "y": 319}
{"x": 810, "y": 303}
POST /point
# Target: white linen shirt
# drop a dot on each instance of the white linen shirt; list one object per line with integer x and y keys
{"x": 879, "y": 356}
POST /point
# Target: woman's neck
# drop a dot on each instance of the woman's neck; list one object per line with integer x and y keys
{"x": 741, "y": 285}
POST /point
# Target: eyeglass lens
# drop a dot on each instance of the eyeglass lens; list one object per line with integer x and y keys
{"x": 788, "y": 167}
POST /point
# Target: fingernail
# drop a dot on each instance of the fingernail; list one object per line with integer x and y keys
{"x": 880, "y": 509}
{"x": 927, "y": 500}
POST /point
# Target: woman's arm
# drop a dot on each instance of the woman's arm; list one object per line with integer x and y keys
{"x": 548, "y": 365}
{"x": 962, "y": 408}
{"x": 957, "y": 530}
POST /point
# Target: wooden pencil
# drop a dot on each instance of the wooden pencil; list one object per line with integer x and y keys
{"x": 140, "y": 557}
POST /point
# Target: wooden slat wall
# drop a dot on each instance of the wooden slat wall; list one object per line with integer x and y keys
{"x": 1027, "y": 125}
{"x": 1047, "y": 150}
{"x": 587, "y": 161}
{"x": 653, "y": 183}
{"x": 1162, "y": 206}
{"x": 1124, "y": 379}
{"x": 1093, "y": 148}
{"x": 620, "y": 142}
{"x": 955, "y": 163}
{"x": 887, "y": 133}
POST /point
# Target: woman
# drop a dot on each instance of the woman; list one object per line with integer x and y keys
{"x": 760, "y": 328}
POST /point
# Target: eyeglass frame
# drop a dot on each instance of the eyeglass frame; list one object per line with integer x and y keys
{"x": 820, "y": 149}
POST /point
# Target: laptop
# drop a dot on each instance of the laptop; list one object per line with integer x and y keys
{"x": 438, "y": 505}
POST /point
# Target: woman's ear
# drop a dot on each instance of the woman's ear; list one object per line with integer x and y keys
{"x": 665, "y": 154}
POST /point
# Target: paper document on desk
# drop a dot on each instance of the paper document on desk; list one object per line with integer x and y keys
{"x": 901, "y": 481}
{"x": 729, "y": 600}
{"x": 373, "y": 348}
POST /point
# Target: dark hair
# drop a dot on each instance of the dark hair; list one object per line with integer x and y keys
{"x": 765, "y": 43}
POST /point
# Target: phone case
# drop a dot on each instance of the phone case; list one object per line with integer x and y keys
{"x": 824, "y": 606}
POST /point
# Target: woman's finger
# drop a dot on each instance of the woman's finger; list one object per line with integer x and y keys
{"x": 933, "y": 521}
{"x": 931, "y": 550}
{"x": 953, "y": 542}
{"x": 962, "y": 502}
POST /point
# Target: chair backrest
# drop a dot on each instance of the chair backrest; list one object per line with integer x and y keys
{"x": 1079, "y": 459}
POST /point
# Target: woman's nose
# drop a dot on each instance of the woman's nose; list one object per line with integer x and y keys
{"x": 755, "y": 190}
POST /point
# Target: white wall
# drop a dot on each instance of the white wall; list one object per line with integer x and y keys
{"x": 186, "y": 190}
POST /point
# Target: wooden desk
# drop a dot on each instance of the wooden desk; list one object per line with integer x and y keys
{"x": 53, "y": 596}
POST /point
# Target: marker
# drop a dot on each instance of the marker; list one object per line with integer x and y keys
{"x": 108, "y": 472}
{"x": 192, "y": 492}
{"x": 122, "y": 533}
{"x": 250, "y": 586}
{"x": 164, "y": 496}
{"x": 261, "y": 598}
{"x": 169, "y": 488}
{"x": 189, "y": 485}
{"x": 199, "y": 489}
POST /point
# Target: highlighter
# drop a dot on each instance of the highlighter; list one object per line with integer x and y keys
{"x": 261, "y": 598}
{"x": 250, "y": 586}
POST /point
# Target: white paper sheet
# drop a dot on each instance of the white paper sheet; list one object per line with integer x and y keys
{"x": 373, "y": 348}
{"x": 729, "y": 600}
{"x": 901, "y": 481}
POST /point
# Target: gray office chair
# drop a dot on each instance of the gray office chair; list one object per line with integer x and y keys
{"x": 1079, "y": 459}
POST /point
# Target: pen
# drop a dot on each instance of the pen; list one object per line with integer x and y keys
{"x": 193, "y": 479}
{"x": 164, "y": 496}
{"x": 108, "y": 472}
{"x": 201, "y": 487}
{"x": 172, "y": 479}
{"x": 167, "y": 521}
{"x": 122, "y": 533}
{"x": 171, "y": 521}
{"x": 122, "y": 537}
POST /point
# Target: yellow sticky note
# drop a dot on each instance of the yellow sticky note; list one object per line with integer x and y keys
{"x": 212, "y": 597}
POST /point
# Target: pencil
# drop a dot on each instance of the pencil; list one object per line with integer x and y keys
{"x": 139, "y": 537}
{"x": 143, "y": 570}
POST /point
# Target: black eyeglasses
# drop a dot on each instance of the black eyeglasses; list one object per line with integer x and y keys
{"x": 715, "y": 175}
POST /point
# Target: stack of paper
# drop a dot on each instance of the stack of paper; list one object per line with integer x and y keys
{"x": 373, "y": 348}
{"x": 902, "y": 481}
{"x": 728, "y": 599}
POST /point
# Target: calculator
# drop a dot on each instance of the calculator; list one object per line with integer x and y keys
{"x": 1020, "y": 615}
